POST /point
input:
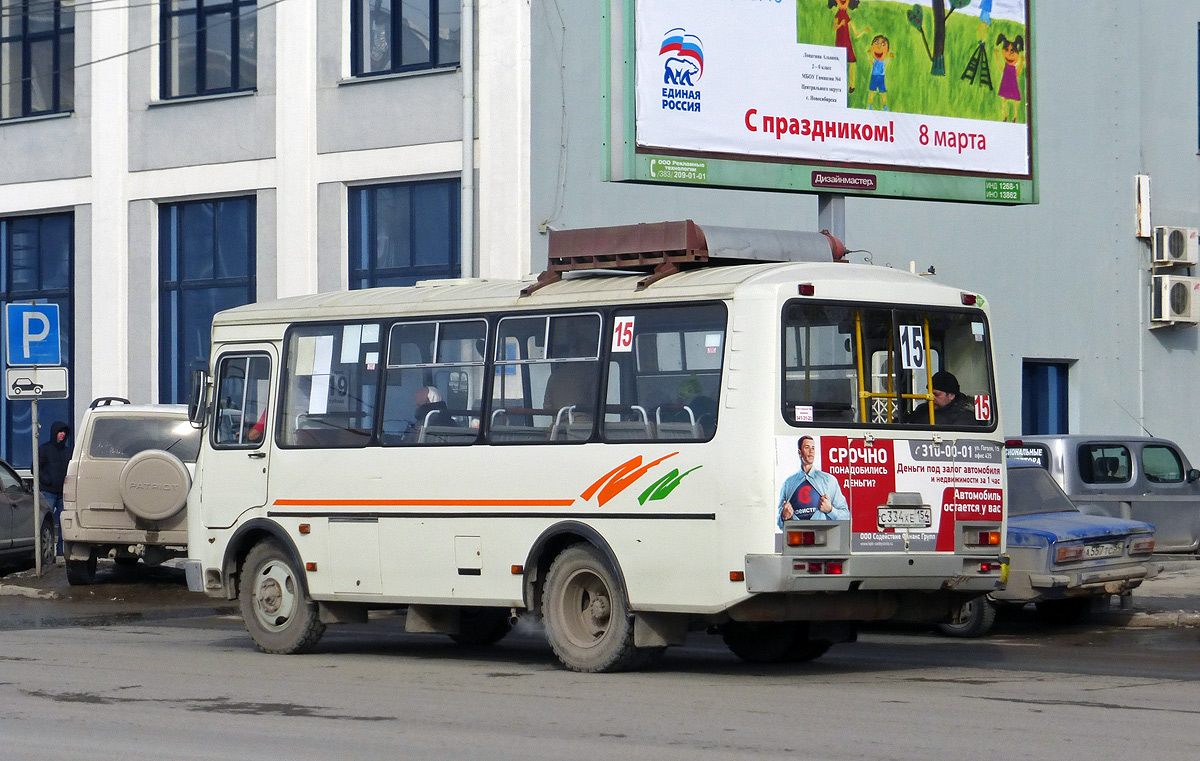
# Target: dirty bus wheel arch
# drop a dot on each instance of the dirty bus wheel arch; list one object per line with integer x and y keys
{"x": 547, "y": 547}
{"x": 154, "y": 485}
{"x": 243, "y": 540}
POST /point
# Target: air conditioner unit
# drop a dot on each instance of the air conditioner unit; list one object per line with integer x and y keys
{"x": 1175, "y": 299}
{"x": 1176, "y": 245}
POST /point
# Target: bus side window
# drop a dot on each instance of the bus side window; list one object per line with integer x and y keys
{"x": 329, "y": 385}
{"x": 434, "y": 383}
{"x": 665, "y": 374}
{"x": 547, "y": 374}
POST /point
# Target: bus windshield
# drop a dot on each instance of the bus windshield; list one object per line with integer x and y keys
{"x": 906, "y": 367}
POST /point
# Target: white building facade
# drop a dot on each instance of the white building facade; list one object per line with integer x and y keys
{"x": 158, "y": 174}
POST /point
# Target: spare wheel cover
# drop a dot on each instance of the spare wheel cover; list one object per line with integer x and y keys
{"x": 154, "y": 485}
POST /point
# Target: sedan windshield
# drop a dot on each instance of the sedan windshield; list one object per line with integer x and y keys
{"x": 1033, "y": 490}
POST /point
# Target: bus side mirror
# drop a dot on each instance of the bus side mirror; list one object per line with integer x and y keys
{"x": 198, "y": 398}
{"x": 1193, "y": 475}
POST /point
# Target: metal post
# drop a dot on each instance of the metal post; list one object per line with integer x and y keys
{"x": 37, "y": 496}
{"x": 831, "y": 214}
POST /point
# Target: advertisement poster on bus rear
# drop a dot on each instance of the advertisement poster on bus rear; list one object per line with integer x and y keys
{"x": 904, "y": 495}
{"x": 938, "y": 86}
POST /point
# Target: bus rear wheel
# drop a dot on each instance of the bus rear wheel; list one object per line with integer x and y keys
{"x": 479, "y": 627}
{"x": 588, "y": 621}
{"x": 772, "y": 641}
{"x": 275, "y": 604}
{"x": 976, "y": 619}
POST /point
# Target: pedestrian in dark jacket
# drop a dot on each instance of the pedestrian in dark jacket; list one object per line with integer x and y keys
{"x": 53, "y": 457}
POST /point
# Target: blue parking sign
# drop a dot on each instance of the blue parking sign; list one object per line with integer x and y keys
{"x": 31, "y": 334}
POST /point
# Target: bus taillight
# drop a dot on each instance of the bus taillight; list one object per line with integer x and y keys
{"x": 989, "y": 538}
{"x": 805, "y": 538}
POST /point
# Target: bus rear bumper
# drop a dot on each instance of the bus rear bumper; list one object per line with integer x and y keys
{"x": 973, "y": 575}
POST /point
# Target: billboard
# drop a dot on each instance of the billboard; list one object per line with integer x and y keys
{"x": 931, "y": 99}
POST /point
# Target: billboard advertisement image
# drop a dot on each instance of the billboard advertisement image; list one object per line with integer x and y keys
{"x": 858, "y": 96}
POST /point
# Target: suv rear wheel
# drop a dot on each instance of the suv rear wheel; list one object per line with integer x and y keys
{"x": 82, "y": 573}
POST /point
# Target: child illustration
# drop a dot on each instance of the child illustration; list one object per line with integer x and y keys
{"x": 1012, "y": 55}
{"x": 985, "y": 20}
{"x": 881, "y": 53}
{"x": 843, "y": 34}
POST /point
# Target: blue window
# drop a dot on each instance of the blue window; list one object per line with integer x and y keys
{"x": 206, "y": 264}
{"x": 403, "y": 233}
{"x": 36, "y": 262}
{"x": 1043, "y": 398}
{"x": 37, "y": 57}
{"x": 208, "y": 47}
{"x": 403, "y": 35}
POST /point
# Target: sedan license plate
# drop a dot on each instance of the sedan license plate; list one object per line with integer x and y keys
{"x": 1113, "y": 549}
{"x": 905, "y": 517}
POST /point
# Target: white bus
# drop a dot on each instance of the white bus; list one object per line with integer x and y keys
{"x": 756, "y": 450}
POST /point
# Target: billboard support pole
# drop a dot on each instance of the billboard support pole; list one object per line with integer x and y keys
{"x": 831, "y": 214}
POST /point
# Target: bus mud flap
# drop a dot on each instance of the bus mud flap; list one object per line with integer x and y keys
{"x": 659, "y": 629}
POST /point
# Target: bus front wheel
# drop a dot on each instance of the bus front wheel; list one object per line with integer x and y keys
{"x": 588, "y": 621}
{"x": 275, "y": 605}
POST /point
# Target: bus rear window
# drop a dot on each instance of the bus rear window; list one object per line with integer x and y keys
{"x": 886, "y": 367}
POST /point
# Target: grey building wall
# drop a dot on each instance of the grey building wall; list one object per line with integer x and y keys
{"x": 195, "y": 131}
{"x": 58, "y": 146}
{"x": 1066, "y": 279}
{"x": 383, "y": 111}
{"x": 143, "y": 306}
{"x": 81, "y": 382}
{"x": 568, "y": 159}
{"x": 331, "y": 236}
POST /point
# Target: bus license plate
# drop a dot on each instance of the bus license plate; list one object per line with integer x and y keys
{"x": 1103, "y": 550}
{"x": 905, "y": 517}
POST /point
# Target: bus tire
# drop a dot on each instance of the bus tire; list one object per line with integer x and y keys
{"x": 588, "y": 622}
{"x": 1072, "y": 610}
{"x": 275, "y": 604}
{"x": 977, "y": 617}
{"x": 767, "y": 641}
{"x": 479, "y": 627}
{"x": 805, "y": 649}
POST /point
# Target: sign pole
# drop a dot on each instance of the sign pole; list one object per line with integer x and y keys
{"x": 33, "y": 353}
{"x": 37, "y": 496}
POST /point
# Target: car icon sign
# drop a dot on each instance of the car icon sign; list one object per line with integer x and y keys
{"x": 25, "y": 385}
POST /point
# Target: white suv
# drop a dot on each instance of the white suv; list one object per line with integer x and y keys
{"x": 127, "y": 486}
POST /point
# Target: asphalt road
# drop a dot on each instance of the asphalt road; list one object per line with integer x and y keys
{"x": 140, "y": 667}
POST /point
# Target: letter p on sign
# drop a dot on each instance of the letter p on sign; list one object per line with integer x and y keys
{"x": 32, "y": 334}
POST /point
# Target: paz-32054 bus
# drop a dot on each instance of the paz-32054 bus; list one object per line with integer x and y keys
{"x": 771, "y": 452}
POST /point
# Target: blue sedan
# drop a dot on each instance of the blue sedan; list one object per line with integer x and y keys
{"x": 1061, "y": 559}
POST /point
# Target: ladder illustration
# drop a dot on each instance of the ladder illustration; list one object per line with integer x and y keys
{"x": 978, "y": 65}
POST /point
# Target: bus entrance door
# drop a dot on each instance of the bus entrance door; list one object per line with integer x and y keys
{"x": 241, "y": 431}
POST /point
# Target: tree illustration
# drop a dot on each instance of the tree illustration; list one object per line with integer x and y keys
{"x": 916, "y": 17}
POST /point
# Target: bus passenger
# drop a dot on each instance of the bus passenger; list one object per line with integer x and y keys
{"x": 571, "y": 384}
{"x": 950, "y": 406}
{"x": 428, "y": 399}
{"x": 690, "y": 395}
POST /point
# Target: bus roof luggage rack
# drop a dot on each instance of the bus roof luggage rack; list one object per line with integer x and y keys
{"x": 664, "y": 248}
